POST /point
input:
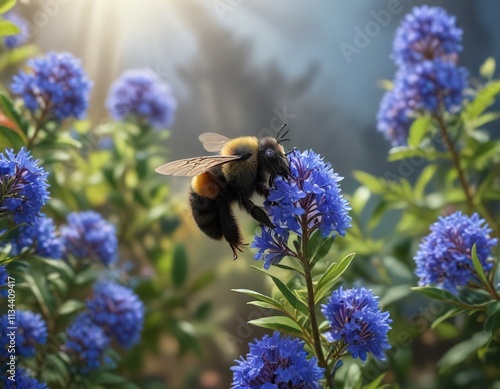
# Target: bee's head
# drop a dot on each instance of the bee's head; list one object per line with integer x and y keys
{"x": 273, "y": 158}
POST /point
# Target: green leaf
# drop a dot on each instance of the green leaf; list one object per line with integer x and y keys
{"x": 313, "y": 243}
{"x": 394, "y": 293}
{"x": 359, "y": 199}
{"x": 487, "y": 69}
{"x": 105, "y": 377}
{"x": 62, "y": 267}
{"x": 87, "y": 276}
{"x": 179, "y": 266}
{"x": 40, "y": 290}
{"x": 450, "y": 313}
{"x": 493, "y": 308}
{"x": 461, "y": 352}
{"x": 290, "y": 268}
{"x": 403, "y": 152}
{"x": 385, "y": 84}
{"x": 287, "y": 294}
{"x": 436, "y": 293}
{"x": 323, "y": 249}
{"x": 10, "y": 138}
{"x": 418, "y": 130}
{"x": 201, "y": 281}
{"x": 268, "y": 300}
{"x": 279, "y": 323}
{"x": 6, "y": 5}
{"x": 492, "y": 324}
{"x": 484, "y": 98}
{"x": 485, "y": 118}
{"x": 8, "y": 109}
{"x": 375, "y": 384}
{"x": 332, "y": 274}
{"x": 8, "y": 28}
{"x": 203, "y": 311}
{"x": 70, "y": 306}
{"x": 423, "y": 180}
{"x": 477, "y": 266}
{"x": 17, "y": 56}
{"x": 373, "y": 183}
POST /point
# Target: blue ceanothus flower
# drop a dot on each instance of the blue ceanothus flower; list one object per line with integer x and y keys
{"x": 143, "y": 94}
{"x": 40, "y": 239}
{"x": 31, "y": 332}
{"x": 275, "y": 363}
{"x": 356, "y": 320}
{"x": 55, "y": 85}
{"x": 427, "y": 33}
{"x": 86, "y": 344}
{"x": 3, "y": 281}
{"x": 444, "y": 256}
{"x": 310, "y": 198}
{"x": 23, "y": 186}
{"x": 23, "y": 380}
{"x": 394, "y": 118}
{"x": 432, "y": 86}
{"x": 87, "y": 235}
{"x": 13, "y": 41}
{"x": 118, "y": 311}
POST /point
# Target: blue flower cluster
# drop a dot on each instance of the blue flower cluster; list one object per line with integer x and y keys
{"x": 394, "y": 118}
{"x": 356, "y": 319}
{"x": 3, "y": 281}
{"x": 432, "y": 85}
{"x": 13, "y": 41}
{"x": 444, "y": 256}
{"x": 274, "y": 363}
{"x": 40, "y": 238}
{"x": 56, "y": 85}
{"x": 23, "y": 186}
{"x": 427, "y": 33}
{"x": 118, "y": 311}
{"x": 30, "y": 333}
{"x": 310, "y": 198}
{"x": 22, "y": 381}
{"x": 426, "y": 49}
{"x": 141, "y": 93}
{"x": 88, "y": 235}
{"x": 86, "y": 344}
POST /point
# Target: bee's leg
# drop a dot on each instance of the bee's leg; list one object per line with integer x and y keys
{"x": 230, "y": 228}
{"x": 257, "y": 212}
{"x": 237, "y": 247}
{"x": 262, "y": 190}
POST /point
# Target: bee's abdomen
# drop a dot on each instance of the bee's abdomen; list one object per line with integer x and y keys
{"x": 206, "y": 215}
{"x": 204, "y": 185}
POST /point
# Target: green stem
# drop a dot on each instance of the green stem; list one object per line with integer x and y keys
{"x": 312, "y": 307}
{"x": 455, "y": 156}
{"x": 38, "y": 127}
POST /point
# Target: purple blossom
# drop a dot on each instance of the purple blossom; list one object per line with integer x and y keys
{"x": 55, "y": 84}
{"x": 427, "y": 33}
{"x": 143, "y": 94}
{"x": 444, "y": 256}
{"x": 274, "y": 363}
{"x": 356, "y": 320}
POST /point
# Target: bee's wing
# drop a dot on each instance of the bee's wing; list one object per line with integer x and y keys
{"x": 212, "y": 141}
{"x": 193, "y": 166}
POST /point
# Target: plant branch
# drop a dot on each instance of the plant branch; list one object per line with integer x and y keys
{"x": 38, "y": 127}
{"x": 456, "y": 161}
{"x": 312, "y": 307}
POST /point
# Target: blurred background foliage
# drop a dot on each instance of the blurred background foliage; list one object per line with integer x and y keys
{"x": 237, "y": 68}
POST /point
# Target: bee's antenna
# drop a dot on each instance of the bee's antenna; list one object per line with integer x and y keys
{"x": 280, "y": 137}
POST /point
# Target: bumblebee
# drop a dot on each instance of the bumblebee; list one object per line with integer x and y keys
{"x": 244, "y": 166}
